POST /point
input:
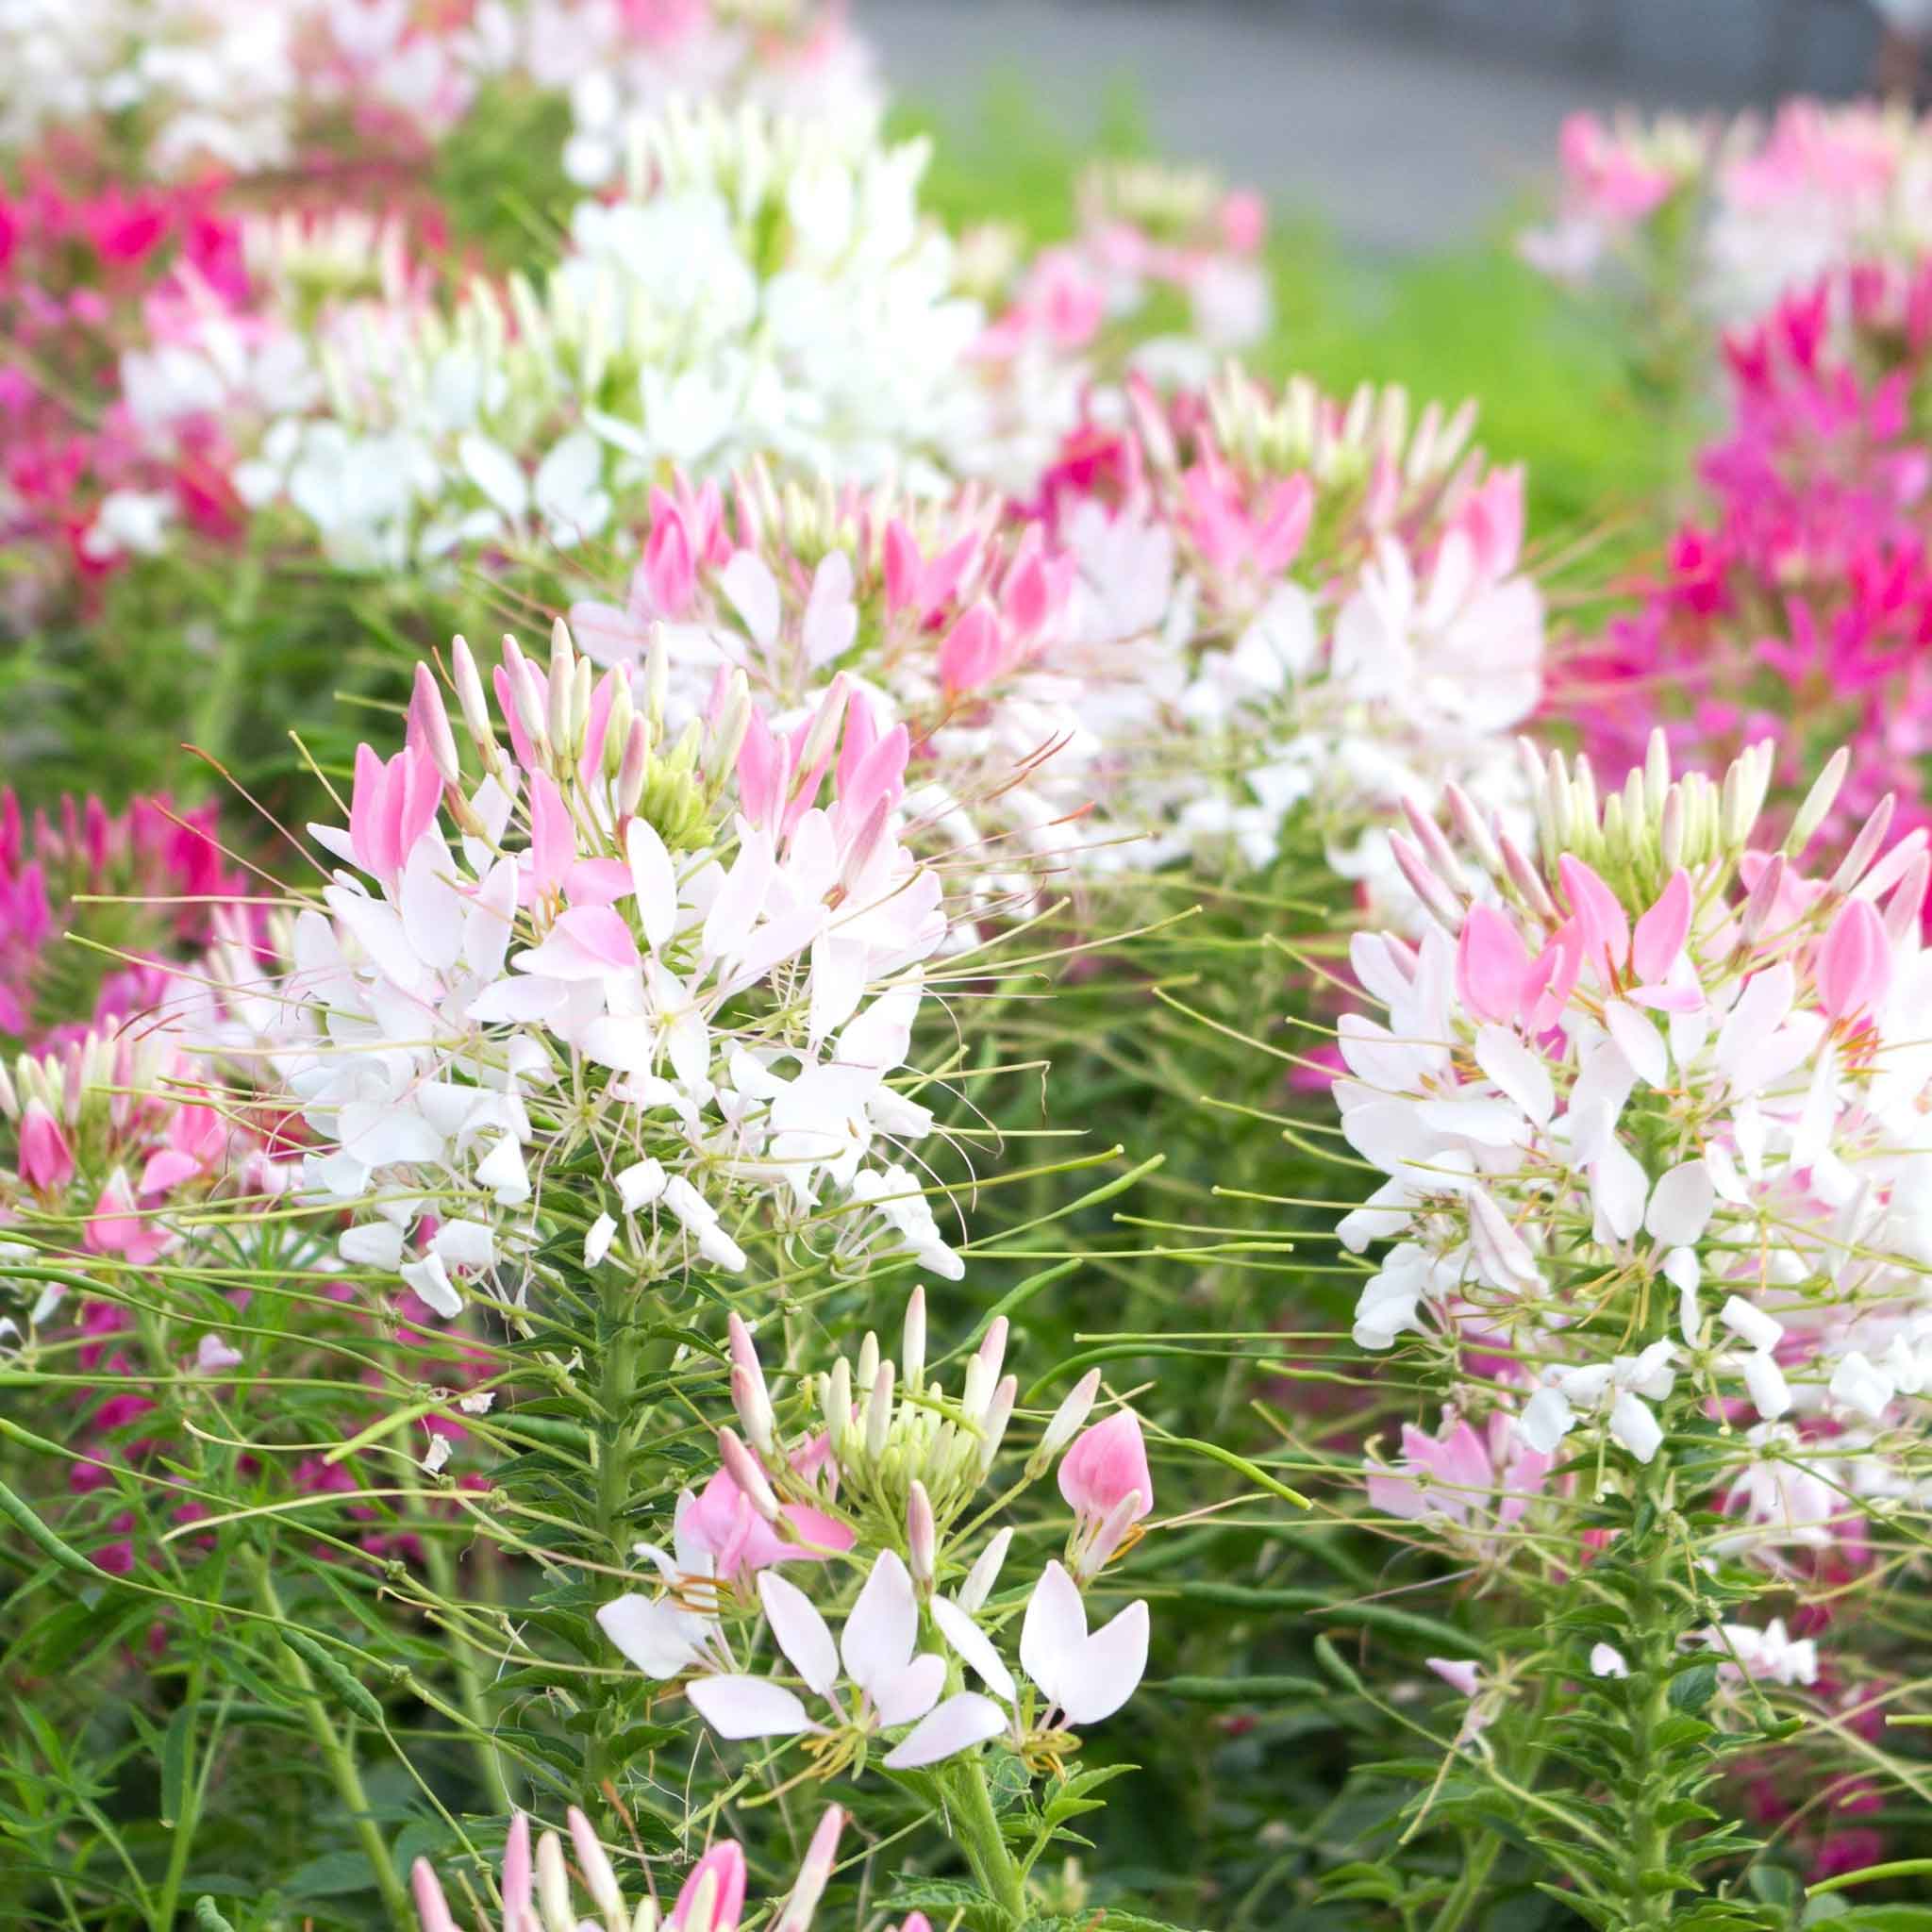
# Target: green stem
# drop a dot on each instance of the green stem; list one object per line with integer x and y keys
{"x": 469, "y": 1680}
{"x": 1657, "y": 1643}
{"x": 977, "y": 1831}
{"x": 615, "y": 1436}
{"x": 340, "y": 1762}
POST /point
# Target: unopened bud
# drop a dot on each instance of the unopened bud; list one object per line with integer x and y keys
{"x": 475, "y": 707}
{"x": 868, "y": 1361}
{"x": 623, "y": 713}
{"x": 1865, "y": 847}
{"x": 431, "y": 721}
{"x": 561, "y": 685}
{"x": 599, "y": 1878}
{"x": 814, "y": 1874}
{"x": 743, "y": 1470}
{"x": 1066, "y": 1423}
{"x": 553, "y": 1886}
{"x": 754, "y": 1408}
{"x": 922, "y": 1537}
{"x": 998, "y": 1414}
{"x": 1107, "y": 1537}
{"x": 984, "y": 1573}
{"x": 912, "y": 1351}
{"x": 1471, "y": 830}
{"x": 656, "y": 680}
{"x": 1526, "y": 880}
{"x": 1436, "y": 897}
{"x": 1764, "y": 896}
{"x": 632, "y": 768}
{"x": 878, "y": 1413}
{"x": 1656, "y": 771}
{"x": 1818, "y": 802}
{"x": 1436, "y": 849}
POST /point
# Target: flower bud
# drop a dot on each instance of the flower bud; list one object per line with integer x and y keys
{"x": 1067, "y": 1420}
{"x": 912, "y": 1353}
{"x": 431, "y": 721}
{"x": 553, "y": 1886}
{"x": 1818, "y": 802}
{"x": 985, "y": 1573}
{"x": 476, "y": 707}
{"x": 633, "y": 768}
{"x": 598, "y": 1876}
{"x": 742, "y": 1467}
{"x": 921, "y": 1537}
{"x": 814, "y": 1874}
{"x": 878, "y": 1413}
{"x": 1865, "y": 847}
{"x": 998, "y": 1414}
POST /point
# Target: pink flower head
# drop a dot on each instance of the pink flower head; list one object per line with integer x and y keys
{"x": 714, "y": 1896}
{"x": 45, "y": 1160}
{"x": 971, "y": 655}
{"x": 1854, "y": 961}
{"x": 1494, "y": 966}
{"x": 722, "y": 1521}
{"x": 391, "y": 808}
{"x": 118, "y": 1227}
{"x": 1243, "y": 220}
{"x": 1107, "y": 1483}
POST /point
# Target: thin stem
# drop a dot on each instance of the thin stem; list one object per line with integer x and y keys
{"x": 469, "y": 1680}
{"x": 340, "y": 1762}
{"x": 1657, "y": 1644}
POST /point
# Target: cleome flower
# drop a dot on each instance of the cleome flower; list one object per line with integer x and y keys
{"x": 1650, "y": 1106}
{"x": 604, "y": 948}
{"x": 886, "y": 1683}
{"x": 537, "y": 1896}
{"x": 1074, "y": 1678}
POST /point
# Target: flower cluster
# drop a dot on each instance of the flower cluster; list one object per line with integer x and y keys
{"x": 1335, "y": 604}
{"x": 168, "y": 888}
{"x": 674, "y": 950}
{"x": 185, "y": 85}
{"x": 1797, "y": 600}
{"x": 536, "y": 1895}
{"x": 1736, "y": 217}
{"x": 887, "y": 1471}
{"x": 762, "y": 286}
{"x": 1651, "y": 1106}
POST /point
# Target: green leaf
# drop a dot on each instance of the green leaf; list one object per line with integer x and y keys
{"x": 330, "y": 1875}
{"x": 1691, "y": 1690}
{"x": 176, "y": 1748}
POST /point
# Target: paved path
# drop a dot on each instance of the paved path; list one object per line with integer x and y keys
{"x": 1400, "y": 143}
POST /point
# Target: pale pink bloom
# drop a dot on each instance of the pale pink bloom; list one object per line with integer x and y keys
{"x": 46, "y": 1162}
{"x": 889, "y": 1683}
{"x": 1083, "y": 1678}
{"x": 1475, "y": 1484}
{"x": 1107, "y": 1485}
{"x": 712, "y": 1899}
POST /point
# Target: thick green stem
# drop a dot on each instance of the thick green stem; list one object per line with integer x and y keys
{"x": 340, "y": 1762}
{"x": 617, "y": 1434}
{"x": 977, "y": 1831}
{"x": 1655, "y": 1629}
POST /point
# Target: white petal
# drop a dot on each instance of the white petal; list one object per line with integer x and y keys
{"x": 1750, "y": 1324}
{"x": 877, "y": 1639}
{"x": 1634, "y": 1426}
{"x": 1054, "y": 1632}
{"x": 1638, "y": 1041}
{"x": 800, "y": 1630}
{"x": 1547, "y": 1418}
{"x": 958, "y": 1724}
{"x": 1680, "y": 1205}
{"x": 375, "y": 1245}
{"x": 655, "y": 883}
{"x": 975, "y": 1646}
{"x": 1111, "y": 1664}
{"x": 1771, "y": 1394}
{"x": 747, "y": 1707}
{"x": 1608, "y": 1661}
{"x": 1617, "y": 1186}
{"x": 903, "y": 1695}
{"x": 1519, "y": 1071}
{"x": 656, "y": 1637}
{"x": 597, "y": 1241}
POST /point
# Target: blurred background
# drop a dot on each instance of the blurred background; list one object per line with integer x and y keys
{"x": 1404, "y": 125}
